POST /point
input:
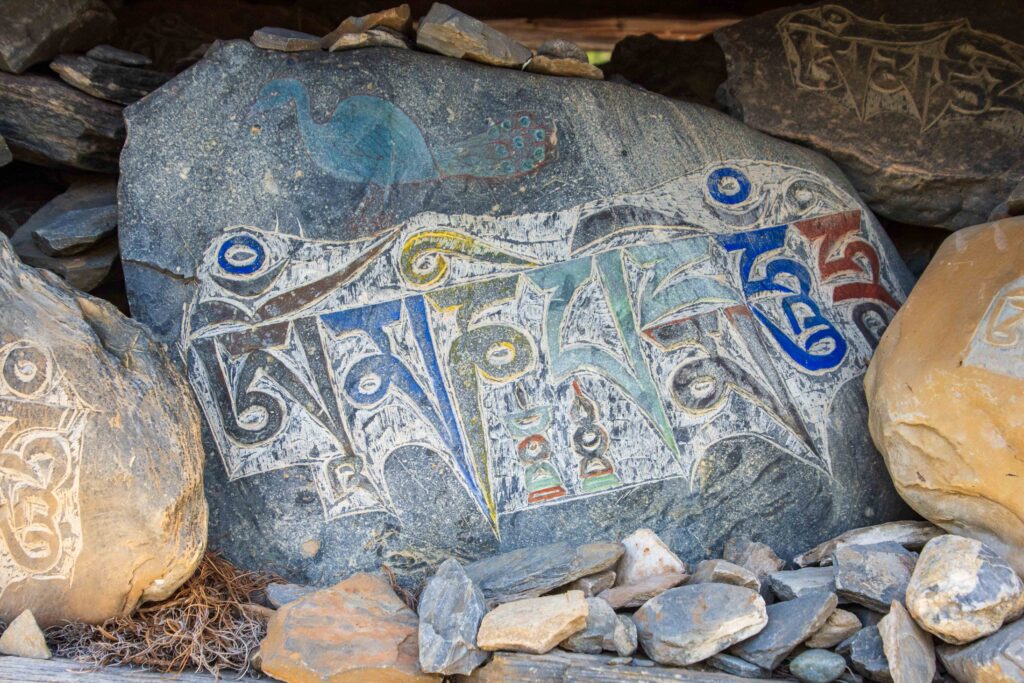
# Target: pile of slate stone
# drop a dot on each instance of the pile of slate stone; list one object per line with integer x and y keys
{"x": 901, "y": 601}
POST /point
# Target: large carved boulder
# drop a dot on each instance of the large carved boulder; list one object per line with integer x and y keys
{"x": 101, "y": 488}
{"x": 946, "y": 389}
{"x": 432, "y": 308}
{"x": 902, "y": 94}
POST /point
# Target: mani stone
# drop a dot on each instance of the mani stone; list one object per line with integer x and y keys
{"x": 873, "y": 575}
{"x": 356, "y": 630}
{"x": 301, "y": 224}
{"x": 594, "y": 584}
{"x": 284, "y": 39}
{"x": 534, "y": 625}
{"x": 450, "y": 610}
{"x": 635, "y": 594}
{"x": 945, "y": 408}
{"x": 50, "y": 123}
{"x": 529, "y": 572}
{"x": 900, "y": 93}
{"x": 840, "y": 625}
{"x": 796, "y": 583}
{"x": 115, "y": 55}
{"x": 817, "y": 666}
{"x": 280, "y": 594}
{"x": 962, "y": 591}
{"x": 789, "y": 624}
{"x": 605, "y": 630}
{"x": 866, "y": 654}
{"x": 720, "y": 571}
{"x": 101, "y": 453}
{"x": 113, "y": 82}
{"x": 908, "y": 648}
{"x": 23, "y": 638}
{"x": 398, "y": 19}
{"x": 687, "y": 625}
{"x": 450, "y": 32}
{"x": 912, "y": 535}
{"x": 998, "y": 658}
{"x": 33, "y": 31}
{"x": 645, "y": 557}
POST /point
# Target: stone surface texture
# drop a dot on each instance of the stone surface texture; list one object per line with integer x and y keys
{"x": 946, "y": 409}
{"x": 572, "y": 666}
{"x": 301, "y": 225}
{"x": 873, "y": 575}
{"x": 33, "y": 31}
{"x": 594, "y": 584}
{"x": 450, "y": 610}
{"x": 998, "y": 658}
{"x": 452, "y": 33}
{"x": 101, "y": 453}
{"x": 635, "y": 594}
{"x": 280, "y": 594}
{"x": 398, "y": 19}
{"x": 113, "y": 82}
{"x": 284, "y": 39}
{"x": 908, "y": 649}
{"x": 689, "y": 624}
{"x": 790, "y": 623}
{"x": 605, "y": 630}
{"x": 533, "y": 625}
{"x": 839, "y": 626}
{"x": 721, "y": 571}
{"x": 815, "y": 75}
{"x": 646, "y": 556}
{"x": 817, "y": 666}
{"x": 563, "y": 66}
{"x": 795, "y": 583}
{"x": 867, "y": 655}
{"x": 23, "y": 638}
{"x": 115, "y": 55}
{"x": 962, "y": 591}
{"x": 356, "y": 630}
{"x": 912, "y": 535}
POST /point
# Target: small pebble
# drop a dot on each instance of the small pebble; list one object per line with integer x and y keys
{"x": 817, "y": 666}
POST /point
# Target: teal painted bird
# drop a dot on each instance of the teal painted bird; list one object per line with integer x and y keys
{"x": 368, "y": 139}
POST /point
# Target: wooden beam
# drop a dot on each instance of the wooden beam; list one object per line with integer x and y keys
{"x": 23, "y": 670}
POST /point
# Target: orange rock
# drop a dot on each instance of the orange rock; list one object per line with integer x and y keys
{"x": 946, "y": 389}
{"x": 395, "y": 18}
{"x": 357, "y": 630}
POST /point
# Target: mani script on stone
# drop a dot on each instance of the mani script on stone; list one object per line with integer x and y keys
{"x": 539, "y": 367}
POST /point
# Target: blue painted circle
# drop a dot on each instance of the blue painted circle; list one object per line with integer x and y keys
{"x": 733, "y": 196}
{"x": 259, "y": 255}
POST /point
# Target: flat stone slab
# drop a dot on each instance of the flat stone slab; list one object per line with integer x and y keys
{"x": 450, "y": 32}
{"x": 998, "y": 657}
{"x": 534, "y": 625}
{"x": 565, "y": 666}
{"x": 115, "y": 55}
{"x": 789, "y": 624}
{"x": 284, "y": 39}
{"x": 307, "y": 227}
{"x": 912, "y": 535}
{"x": 113, "y": 82}
{"x": 880, "y": 86}
{"x": 873, "y": 575}
{"x": 796, "y": 583}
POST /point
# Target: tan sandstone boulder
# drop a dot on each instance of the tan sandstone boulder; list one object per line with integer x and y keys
{"x": 101, "y": 487}
{"x": 946, "y": 389}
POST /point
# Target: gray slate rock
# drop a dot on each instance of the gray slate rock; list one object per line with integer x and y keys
{"x": 77, "y": 230}
{"x": 529, "y": 572}
{"x": 731, "y": 664}
{"x": 450, "y": 32}
{"x": 961, "y": 590}
{"x": 908, "y": 648}
{"x": 796, "y": 583}
{"x": 580, "y": 668}
{"x": 998, "y": 658}
{"x": 50, "y": 123}
{"x": 560, "y": 48}
{"x": 912, "y": 535}
{"x": 817, "y": 666}
{"x": 721, "y": 571}
{"x": 687, "y": 625}
{"x": 115, "y": 55}
{"x": 873, "y": 575}
{"x": 450, "y": 611}
{"x": 280, "y": 594}
{"x": 866, "y": 654}
{"x": 284, "y": 39}
{"x": 594, "y": 584}
{"x": 756, "y": 557}
{"x": 789, "y": 624}
{"x": 5, "y": 152}
{"x": 605, "y": 631}
{"x": 236, "y": 154}
{"x": 33, "y": 31}
{"x": 112, "y": 82}
{"x": 815, "y": 75}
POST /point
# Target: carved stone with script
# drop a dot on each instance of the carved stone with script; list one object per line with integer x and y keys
{"x": 946, "y": 389}
{"x": 101, "y": 498}
{"x": 431, "y": 308}
{"x": 921, "y": 102}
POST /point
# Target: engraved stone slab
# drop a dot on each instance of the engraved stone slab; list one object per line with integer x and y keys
{"x": 902, "y": 94}
{"x": 428, "y": 319}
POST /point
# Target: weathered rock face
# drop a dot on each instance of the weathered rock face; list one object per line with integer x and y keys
{"x": 370, "y": 247}
{"x": 908, "y": 649}
{"x": 533, "y": 625}
{"x": 450, "y": 610}
{"x": 995, "y": 659}
{"x": 947, "y": 410}
{"x": 36, "y": 30}
{"x": 901, "y": 94}
{"x": 873, "y": 575}
{"x": 101, "y": 457}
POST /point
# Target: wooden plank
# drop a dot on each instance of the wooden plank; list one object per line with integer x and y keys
{"x": 601, "y": 33}
{"x": 23, "y": 670}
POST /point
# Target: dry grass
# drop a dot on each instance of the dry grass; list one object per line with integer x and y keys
{"x": 212, "y": 623}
